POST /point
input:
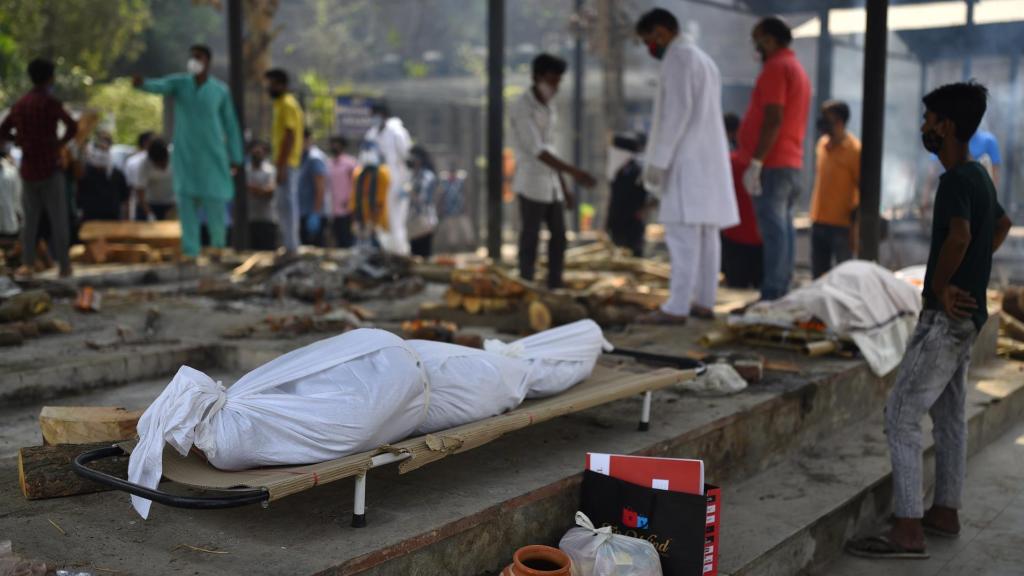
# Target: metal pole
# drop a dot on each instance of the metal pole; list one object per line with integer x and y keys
{"x": 240, "y": 230}
{"x": 873, "y": 128}
{"x": 824, "y": 75}
{"x": 495, "y": 122}
{"x": 968, "y": 41}
{"x": 577, "y": 113}
{"x": 1006, "y": 178}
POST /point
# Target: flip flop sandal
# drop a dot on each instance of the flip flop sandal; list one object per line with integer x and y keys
{"x": 660, "y": 318}
{"x": 882, "y": 547}
{"x": 702, "y": 313}
{"x": 933, "y": 530}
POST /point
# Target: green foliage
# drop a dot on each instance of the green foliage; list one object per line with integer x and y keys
{"x": 319, "y": 106}
{"x": 84, "y": 37}
{"x": 131, "y": 111}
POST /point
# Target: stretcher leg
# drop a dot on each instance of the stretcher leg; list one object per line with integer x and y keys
{"x": 359, "y": 507}
{"x": 645, "y": 412}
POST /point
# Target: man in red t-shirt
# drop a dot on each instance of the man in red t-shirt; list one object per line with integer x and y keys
{"x": 741, "y": 245}
{"x": 32, "y": 125}
{"x": 772, "y": 138}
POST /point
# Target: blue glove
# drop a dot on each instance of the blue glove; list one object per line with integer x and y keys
{"x": 313, "y": 223}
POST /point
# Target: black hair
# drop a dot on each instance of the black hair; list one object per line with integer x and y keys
{"x": 655, "y": 18}
{"x": 839, "y": 108}
{"x": 339, "y": 139}
{"x": 202, "y": 49}
{"x": 277, "y": 75}
{"x": 421, "y": 154}
{"x": 41, "y": 71}
{"x": 776, "y": 28}
{"x": 548, "y": 64}
{"x": 381, "y": 108}
{"x": 732, "y": 122}
{"x": 144, "y": 139}
{"x": 157, "y": 151}
{"x": 306, "y": 132}
{"x": 963, "y": 102}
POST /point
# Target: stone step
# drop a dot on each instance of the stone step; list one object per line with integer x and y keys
{"x": 795, "y": 517}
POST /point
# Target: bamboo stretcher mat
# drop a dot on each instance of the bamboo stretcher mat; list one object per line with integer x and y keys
{"x": 604, "y": 385}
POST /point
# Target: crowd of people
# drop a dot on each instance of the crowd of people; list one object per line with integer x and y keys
{"x": 388, "y": 194}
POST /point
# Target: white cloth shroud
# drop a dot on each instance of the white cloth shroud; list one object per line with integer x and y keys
{"x": 352, "y": 393}
{"x": 858, "y": 299}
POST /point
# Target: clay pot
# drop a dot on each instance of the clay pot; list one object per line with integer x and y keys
{"x": 539, "y": 561}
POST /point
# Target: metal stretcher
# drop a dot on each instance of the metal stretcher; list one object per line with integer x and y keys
{"x": 264, "y": 485}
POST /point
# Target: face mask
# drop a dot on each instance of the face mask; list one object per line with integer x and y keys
{"x": 546, "y": 91}
{"x": 932, "y": 141}
{"x": 824, "y": 126}
{"x": 657, "y": 52}
{"x": 99, "y": 158}
{"x": 194, "y": 67}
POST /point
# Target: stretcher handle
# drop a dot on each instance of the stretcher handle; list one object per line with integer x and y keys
{"x": 232, "y": 500}
{"x": 680, "y": 362}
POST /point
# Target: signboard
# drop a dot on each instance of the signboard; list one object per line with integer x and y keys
{"x": 352, "y": 116}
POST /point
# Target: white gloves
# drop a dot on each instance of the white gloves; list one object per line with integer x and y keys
{"x": 654, "y": 180}
{"x": 752, "y": 177}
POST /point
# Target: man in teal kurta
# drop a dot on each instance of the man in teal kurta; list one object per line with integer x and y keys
{"x": 207, "y": 147}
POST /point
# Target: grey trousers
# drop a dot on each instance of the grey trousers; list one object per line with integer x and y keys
{"x": 932, "y": 379}
{"x": 48, "y": 197}
{"x": 287, "y": 198}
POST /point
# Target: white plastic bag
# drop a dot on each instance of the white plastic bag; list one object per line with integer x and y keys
{"x": 598, "y": 552}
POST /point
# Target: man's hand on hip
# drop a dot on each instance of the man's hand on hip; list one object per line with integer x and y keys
{"x": 654, "y": 179}
{"x": 752, "y": 177}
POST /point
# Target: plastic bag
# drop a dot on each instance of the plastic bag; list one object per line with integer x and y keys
{"x": 598, "y": 552}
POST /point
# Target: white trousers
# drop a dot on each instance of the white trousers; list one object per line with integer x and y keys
{"x": 397, "y": 238}
{"x": 695, "y": 251}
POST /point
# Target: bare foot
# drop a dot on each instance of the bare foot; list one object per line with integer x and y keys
{"x": 23, "y": 273}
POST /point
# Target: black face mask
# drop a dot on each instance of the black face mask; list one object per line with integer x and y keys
{"x": 932, "y": 141}
{"x": 824, "y": 126}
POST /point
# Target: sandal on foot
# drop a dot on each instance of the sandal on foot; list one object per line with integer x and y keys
{"x": 933, "y": 530}
{"x": 702, "y": 312}
{"x": 660, "y": 317}
{"x": 883, "y": 547}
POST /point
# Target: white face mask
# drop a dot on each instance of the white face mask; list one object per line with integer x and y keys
{"x": 547, "y": 91}
{"x": 98, "y": 157}
{"x": 194, "y": 67}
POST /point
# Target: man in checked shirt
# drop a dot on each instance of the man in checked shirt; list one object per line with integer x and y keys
{"x": 32, "y": 125}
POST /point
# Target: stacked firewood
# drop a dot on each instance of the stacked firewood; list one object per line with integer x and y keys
{"x": 1011, "y": 324}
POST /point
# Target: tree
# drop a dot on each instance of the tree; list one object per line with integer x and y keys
{"x": 85, "y": 38}
{"x": 133, "y": 112}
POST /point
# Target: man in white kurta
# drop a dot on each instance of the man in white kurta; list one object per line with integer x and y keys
{"x": 687, "y": 167}
{"x": 394, "y": 143}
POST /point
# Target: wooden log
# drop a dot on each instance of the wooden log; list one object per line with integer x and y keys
{"x": 492, "y": 305}
{"x": 510, "y": 323}
{"x": 25, "y": 305}
{"x": 45, "y": 471}
{"x": 1013, "y": 302}
{"x": 432, "y": 272}
{"x": 453, "y": 299}
{"x": 1011, "y": 326}
{"x": 473, "y": 304}
{"x": 538, "y": 316}
{"x": 160, "y": 233}
{"x": 87, "y": 424}
{"x": 54, "y": 326}
{"x": 9, "y": 337}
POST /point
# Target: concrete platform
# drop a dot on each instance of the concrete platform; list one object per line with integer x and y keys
{"x": 463, "y": 515}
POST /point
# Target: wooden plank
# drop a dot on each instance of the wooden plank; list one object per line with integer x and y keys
{"x": 163, "y": 232}
{"x": 86, "y": 424}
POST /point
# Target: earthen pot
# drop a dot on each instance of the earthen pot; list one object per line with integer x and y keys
{"x": 539, "y": 561}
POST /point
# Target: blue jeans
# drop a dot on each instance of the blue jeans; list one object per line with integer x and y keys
{"x": 780, "y": 189}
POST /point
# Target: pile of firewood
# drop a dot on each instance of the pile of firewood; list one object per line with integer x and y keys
{"x": 19, "y": 318}
{"x": 1011, "y": 324}
{"x": 128, "y": 242}
{"x": 490, "y": 297}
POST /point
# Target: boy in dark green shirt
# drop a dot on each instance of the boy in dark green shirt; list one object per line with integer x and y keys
{"x": 968, "y": 226}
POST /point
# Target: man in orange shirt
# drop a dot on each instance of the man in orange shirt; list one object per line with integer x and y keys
{"x": 836, "y": 190}
{"x": 772, "y": 141}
